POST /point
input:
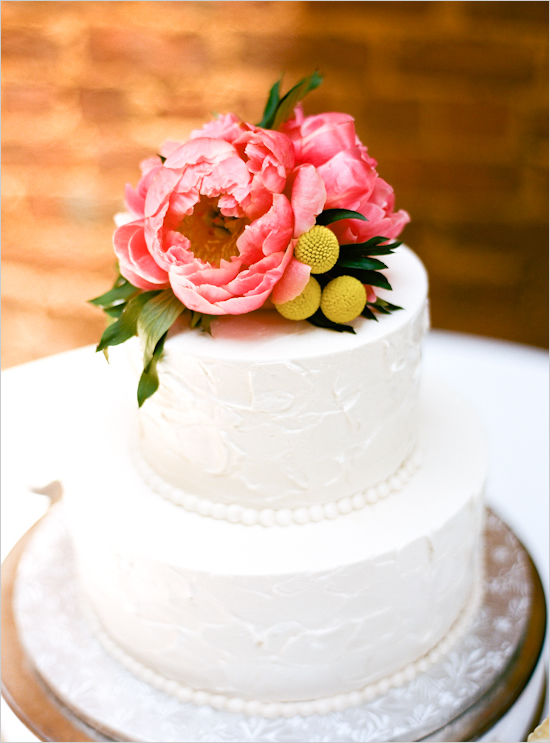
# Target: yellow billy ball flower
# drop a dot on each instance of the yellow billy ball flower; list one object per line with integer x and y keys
{"x": 318, "y": 248}
{"x": 343, "y": 299}
{"x": 304, "y": 305}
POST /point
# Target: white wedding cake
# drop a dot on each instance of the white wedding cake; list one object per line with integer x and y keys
{"x": 303, "y": 527}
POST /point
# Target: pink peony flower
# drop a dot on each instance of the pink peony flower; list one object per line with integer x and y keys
{"x": 227, "y": 126}
{"x": 329, "y": 142}
{"x": 218, "y": 220}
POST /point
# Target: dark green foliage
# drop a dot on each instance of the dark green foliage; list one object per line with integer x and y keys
{"x": 149, "y": 381}
{"x": 320, "y": 321}
{"x": 278, "y": 110}
{"x": 126, "y": 325}
{"x": 335, "y": 215}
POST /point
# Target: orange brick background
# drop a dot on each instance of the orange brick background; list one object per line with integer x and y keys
{"x": 450, "y": 98}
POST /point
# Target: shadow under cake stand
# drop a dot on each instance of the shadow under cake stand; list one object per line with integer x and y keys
{"x": 64, "y": 687}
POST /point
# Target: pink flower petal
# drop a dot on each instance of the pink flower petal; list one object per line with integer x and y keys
{"x": 242, "y": 305}
{"x": 258, "y": 202}
{"x": 135, "y": 261}
{"x": 273, "y": 177}
{"x": 382, "y": 195}
{"x": 262, "y": 274}
{"x": 214, "y": 294}
{"x": 134, "y": 202}
{"x": 198, "y": 151}
{"x": 348, "y": 180}
{"x": 160, "y": 190}
{"x": 328, "y": 141}
{"x": 228, "y": 127}
{"x": 169, "y": 147}
{"x": 191, "y": 298}
{"x": 353, "y": 230}
{"x": 154, "y": 231}
{"x": 200, "y": 273}
{"x": 262, "y": 142}
{"x": 230, "y": 175}
{"x": 269, "y": 234}
{"x": 371, "y": 296}
{"x": 325, "y": 135}
{"x": 308, "y": 198}
{"x": 292, "y": 283}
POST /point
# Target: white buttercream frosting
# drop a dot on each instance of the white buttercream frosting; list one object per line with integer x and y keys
{"x": 281, "y": 424}
{"x": 270, "y": 414}
{"x": 323, "y": 706}
{"x": 309, "y": 612}
{"x": 235, "y": 513}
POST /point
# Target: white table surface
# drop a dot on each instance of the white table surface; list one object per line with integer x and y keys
{"x": 507, "y": 383}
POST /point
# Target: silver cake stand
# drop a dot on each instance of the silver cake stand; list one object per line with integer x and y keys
{"x": 73, "y": 690}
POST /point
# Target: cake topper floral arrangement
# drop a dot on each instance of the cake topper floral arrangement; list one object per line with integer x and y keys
{"x": 289, "y": 211}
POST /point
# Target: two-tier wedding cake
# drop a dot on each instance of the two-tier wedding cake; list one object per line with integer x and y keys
{"x": 303, "y": 527}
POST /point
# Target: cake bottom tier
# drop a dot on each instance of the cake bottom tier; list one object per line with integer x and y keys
{"x": 334, "y": 611}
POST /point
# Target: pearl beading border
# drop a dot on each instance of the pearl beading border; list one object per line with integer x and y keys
{"x": 269, "y": 517}
{"x": 324, "y": 706}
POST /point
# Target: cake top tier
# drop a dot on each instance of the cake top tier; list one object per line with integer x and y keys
{"x": 264, "y": 335}
{"x": 268, "y": 415}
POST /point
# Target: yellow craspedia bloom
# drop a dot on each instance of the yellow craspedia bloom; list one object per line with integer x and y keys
{"x": 343, "y": 299}
{"x": 318, "y": 248}
{"x": 304, "y": 305}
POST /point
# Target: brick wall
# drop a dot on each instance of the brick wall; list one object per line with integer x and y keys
{"x": 450, "y": 97}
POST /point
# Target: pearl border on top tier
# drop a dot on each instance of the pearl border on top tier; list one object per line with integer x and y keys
{"x": 268, "y": 517}
{"x": 324, "y": 706}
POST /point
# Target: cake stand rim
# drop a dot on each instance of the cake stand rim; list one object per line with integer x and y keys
{"x": 533, "y": 637}
{"x": 39, "y": 709}
{"x": 53, "y": 710}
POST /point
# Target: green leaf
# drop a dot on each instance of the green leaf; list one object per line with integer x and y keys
{"x": 195, "y": 319}
{"x": 121, "y": 291}
{"x": 369, "y": 314}
{"x": 162, "y": 159}
{"x": 115, "y": 311}
{"x": 205, "y": 323}
{"x": 156, "y": 317}
{"x": 293, "y": 97}
{"x": 369, "y": 264}
{"x": 383, "y": 306}
{"x": 369, "y": 252}
{"x": 202, "y": 321}
{"x": 126, "y": 326}
{"x": 380, "y": 308}
{"x": 334, "y": 215}
{"x": 391, "y": 307}
{"x": 320, "y": 321}
{"x": 371, "y": 247}
{"x": 373, "y": 278}
{"x": 149, "y": 380}
{"x": 271, "y": 106}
